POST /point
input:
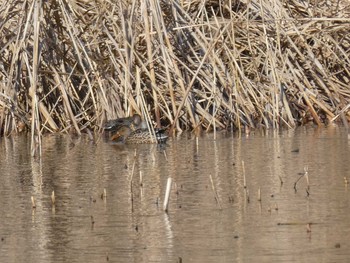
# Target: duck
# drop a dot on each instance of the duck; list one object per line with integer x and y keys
{"x": 126, "y": 135}
{"x": 134, "y": 122}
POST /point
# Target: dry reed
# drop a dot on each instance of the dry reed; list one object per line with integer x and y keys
{"x": 167, "y": 194}
{"x": 53, "y": 198}
{"x": 216, "y": 196}
{"x": 70, "y": 65}
{"x": 33, "y": 202}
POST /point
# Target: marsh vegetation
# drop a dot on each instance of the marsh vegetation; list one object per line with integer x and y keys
{"x": 71, "y": 65}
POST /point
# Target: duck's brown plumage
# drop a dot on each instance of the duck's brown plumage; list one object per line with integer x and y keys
{"x": 125, "y": 135}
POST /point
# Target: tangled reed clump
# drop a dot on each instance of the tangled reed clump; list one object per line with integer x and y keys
{"x": 70, "y": 65}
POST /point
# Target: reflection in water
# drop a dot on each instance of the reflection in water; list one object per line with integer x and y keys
{"x": 208, "y": 220}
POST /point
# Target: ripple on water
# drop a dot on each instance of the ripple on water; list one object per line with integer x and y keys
{"x": 209, "y": 218}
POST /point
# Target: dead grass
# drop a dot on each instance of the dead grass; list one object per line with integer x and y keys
{"x": 70, "y": 65}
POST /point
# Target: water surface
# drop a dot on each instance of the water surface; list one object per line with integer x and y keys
{"x": 211, "y": 216}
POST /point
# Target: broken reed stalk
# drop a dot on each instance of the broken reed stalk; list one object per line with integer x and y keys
{"x": 53, "y": 198}
{"x": 244, "y": 179}
{"x": 259, "y": 194}
{"x": 306, "y": 175}
{"x": 216, "y": 196}
{"x": 131, "y": 181}
{"x": 308, "y": 227}
{"x": 167, "y": 195}
{"x": 165, "y": 155}
{"x": 182, "y": 54}
{"x": 33, "y": 202}
{"x": 281, "y": 180}
{"x": 247, "y": 194}
{"x": 295, "y": 184}
{"x": 141, "y": 179}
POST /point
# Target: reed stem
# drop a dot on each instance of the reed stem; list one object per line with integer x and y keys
{"x": 167, "y": 195}
{"x": 192, "y": 67}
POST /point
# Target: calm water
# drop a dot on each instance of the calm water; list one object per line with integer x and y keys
{"x": 129, "y": 225}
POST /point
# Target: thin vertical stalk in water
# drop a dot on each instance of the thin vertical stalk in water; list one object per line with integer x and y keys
{"x": 33, "y": 202}
{"x": 141, "y": 179}
{"x": 306, "y": 168}
{"x": 281, "y": 180}
{"x": 167, "y": 195}
{"x": 244, "y": 179}
{"x": 131, "y": 182}
{"x": 165, "y": 155}
{"x": 247, "y": 194}
{"x": 214, "y": 191}
{"x": 53, "y": 198}
{"x": 306, "y": 175}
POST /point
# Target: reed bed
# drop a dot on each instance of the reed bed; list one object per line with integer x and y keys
{"x": 70, "y": 65}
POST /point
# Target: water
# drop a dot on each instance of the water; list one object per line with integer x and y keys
{"x": 206, "y": 222}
